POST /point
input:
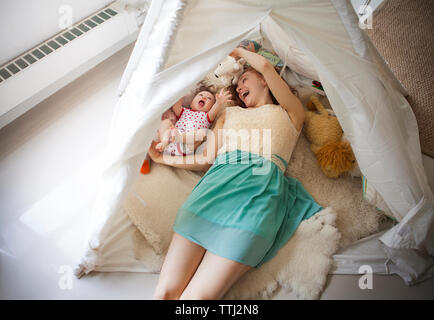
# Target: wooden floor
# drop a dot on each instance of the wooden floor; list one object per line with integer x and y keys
{"x": 58, "y": 137}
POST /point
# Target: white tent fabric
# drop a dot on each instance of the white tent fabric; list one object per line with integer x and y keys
{"x": 181, "y": 41}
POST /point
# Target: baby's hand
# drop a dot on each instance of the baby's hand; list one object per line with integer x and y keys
{"x": 223, "y": 97}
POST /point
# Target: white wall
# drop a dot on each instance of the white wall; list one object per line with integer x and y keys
{"x": 26, "y": 23}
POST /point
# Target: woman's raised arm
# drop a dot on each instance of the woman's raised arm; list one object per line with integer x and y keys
{"x": 277, "y": 85}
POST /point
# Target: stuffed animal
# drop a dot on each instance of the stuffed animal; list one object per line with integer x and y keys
{"x": 226, "y": 74}
{"x": 333, "y": 152}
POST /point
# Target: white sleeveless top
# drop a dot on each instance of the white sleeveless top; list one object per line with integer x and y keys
{"x": 265, "y": 130}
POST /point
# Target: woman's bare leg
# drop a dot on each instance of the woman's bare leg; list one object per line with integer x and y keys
{"x": 180, "y": 263}
{"x": 213, "y": 278}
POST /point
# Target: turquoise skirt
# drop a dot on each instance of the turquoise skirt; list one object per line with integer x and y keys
{"x": 244, "y": 208}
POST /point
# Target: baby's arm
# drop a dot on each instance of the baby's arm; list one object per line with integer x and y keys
{"x": 177, "y": 107}
{"x": 221, "y": 98}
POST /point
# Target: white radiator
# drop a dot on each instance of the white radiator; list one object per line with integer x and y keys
{"x": 36, "y": 74}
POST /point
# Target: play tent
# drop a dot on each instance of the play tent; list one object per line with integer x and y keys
{"x": 181, "y": 41}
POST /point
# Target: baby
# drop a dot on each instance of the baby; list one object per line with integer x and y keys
{"x": 192, "y": 123}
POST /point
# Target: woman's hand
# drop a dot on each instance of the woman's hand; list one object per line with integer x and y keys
{"x": 246, "y": 45}
{"x": 258, "y": 62}
{"x": 154, "y": 154}
{"x": 188, "y": 162}
{"x": 235, "y": 53}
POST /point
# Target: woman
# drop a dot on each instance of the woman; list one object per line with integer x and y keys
{"x": 236, "y": 219}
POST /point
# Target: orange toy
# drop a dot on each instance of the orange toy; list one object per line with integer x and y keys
{"x": 145, "y": 166}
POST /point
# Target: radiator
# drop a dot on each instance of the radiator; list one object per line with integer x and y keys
{"x": 34, "y": 75}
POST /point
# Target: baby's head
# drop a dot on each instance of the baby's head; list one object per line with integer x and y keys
{"x": 203, "y": 101}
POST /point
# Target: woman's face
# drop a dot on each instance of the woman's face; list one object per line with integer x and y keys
{"x": 252, "y": 89}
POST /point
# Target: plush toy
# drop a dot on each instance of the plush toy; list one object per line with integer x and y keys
{"x": 333, "y": 152}
{"x": 226, "y": 74}
{"x": 145, "y": 169}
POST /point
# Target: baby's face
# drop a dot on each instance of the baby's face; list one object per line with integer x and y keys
{"x": 203, "y": 101}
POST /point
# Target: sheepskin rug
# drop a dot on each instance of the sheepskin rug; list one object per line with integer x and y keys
{"x": 302, "y": 264}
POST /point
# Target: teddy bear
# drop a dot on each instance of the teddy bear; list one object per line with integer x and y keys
{"x": 332, "y": 150}
{"x": 226, "y": 74}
